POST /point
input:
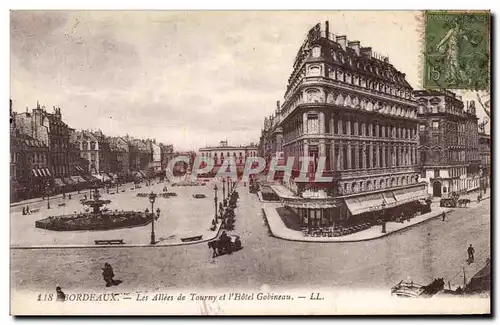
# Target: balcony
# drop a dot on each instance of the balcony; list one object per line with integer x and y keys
{"x": 377, "y": 171}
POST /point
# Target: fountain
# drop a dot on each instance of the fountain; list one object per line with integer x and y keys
{"x": 97, "y": 219}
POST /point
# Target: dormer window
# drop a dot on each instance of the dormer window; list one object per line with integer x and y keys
{"x": 334, "y": 55}
{"x": 316, "y": 52}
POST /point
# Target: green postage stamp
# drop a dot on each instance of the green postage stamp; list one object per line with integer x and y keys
{"x": 457, "y": 50}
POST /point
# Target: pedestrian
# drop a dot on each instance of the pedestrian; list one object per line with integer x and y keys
{"x": 69, "y": 196}
{"x": 61, "y": 296}
{"x": 108, "y": 275}
{"x": 444, "y": 216}
{"x": 64, "y": 196}
{"x": 24, "y": 211}
{"x": 470, "y": 252}
{"x": 28, "y": 209}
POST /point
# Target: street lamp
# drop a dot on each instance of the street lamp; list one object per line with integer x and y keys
{"x": 224, "y": 188}
{"x": 47, "y": 190}
{"x": 383, "y": 217}
{"x": 152, "y": 198}
{"x": 215, "y": 202}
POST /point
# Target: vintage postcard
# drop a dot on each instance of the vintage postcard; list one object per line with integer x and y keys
{"x": 250, "y": 162}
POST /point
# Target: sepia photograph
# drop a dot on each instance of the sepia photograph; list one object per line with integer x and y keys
{"x": 170, "y": 162}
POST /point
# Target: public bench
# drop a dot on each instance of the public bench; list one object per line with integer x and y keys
{"x": 62, "y": 204}
{"x": 109, "y": 242}
{"x": 193, "y": 238}
{"x": 34, "y": 210}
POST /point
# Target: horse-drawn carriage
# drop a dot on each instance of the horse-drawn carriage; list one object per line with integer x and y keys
{"x": 225, "y": 245}
{"x": 407, "y": 289}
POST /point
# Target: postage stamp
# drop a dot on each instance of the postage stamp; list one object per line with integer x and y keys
{"x": 457, "y": 50}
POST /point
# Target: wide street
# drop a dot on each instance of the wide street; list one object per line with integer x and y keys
{"x": 433, "y": 249}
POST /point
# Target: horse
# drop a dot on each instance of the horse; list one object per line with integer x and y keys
{"x": 219, "y": 247}
{"x": 434, "y": 287}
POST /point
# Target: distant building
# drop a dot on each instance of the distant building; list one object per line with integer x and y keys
{"x": 485, "y": 156}
{"x": 30, "y": 174}
{"x": 449, "y": 143}
{"x": 94, "y": 147}
{"x": 166, "y": 152}
{"x": 119, "y": 159}
{"x": 49, "y": 129}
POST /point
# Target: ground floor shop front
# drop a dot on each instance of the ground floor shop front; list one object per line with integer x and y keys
{"x": 345, "y": 215}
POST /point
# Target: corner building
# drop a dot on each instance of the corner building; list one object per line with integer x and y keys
{"x": 350, "y": 105}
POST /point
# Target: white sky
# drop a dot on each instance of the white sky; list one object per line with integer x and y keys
{"x": 186, "y": 78}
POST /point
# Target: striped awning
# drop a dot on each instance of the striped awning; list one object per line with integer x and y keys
{"x": 41, "y": 172}
{"x": 79, "y": 168}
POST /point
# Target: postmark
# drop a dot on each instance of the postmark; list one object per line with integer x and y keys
{"x": 457, "y": 50}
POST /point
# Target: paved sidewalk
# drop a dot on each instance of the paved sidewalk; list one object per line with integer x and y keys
{"x": 279, "y": 229}
{"x": 173, "y": 240}
{"x": 177, "y": 221}
{"x": 74, "y": 194}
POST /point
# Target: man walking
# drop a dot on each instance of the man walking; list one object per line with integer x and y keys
{"x": 470, "y": 252}
{"x": 444, "y": 216}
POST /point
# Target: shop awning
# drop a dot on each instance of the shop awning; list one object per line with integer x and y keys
{"x": 68, "y": 181}
{"x": 362, "y": 204}
{"x": 389, "y": 197}
{"x": 41, "y": 172}
{"x": 15, "y": 186}
{"x": 78, "y": 179}
{"x": 59, "y": 183}
{"x": 406, "y": 195}
{"x": 98, "y": 177}
{"x": 79, "y": 168}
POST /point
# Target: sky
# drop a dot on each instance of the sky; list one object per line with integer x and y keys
{"x": 187, "y": 78}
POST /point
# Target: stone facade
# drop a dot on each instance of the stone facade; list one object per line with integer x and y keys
{"x": 449, "y": 143}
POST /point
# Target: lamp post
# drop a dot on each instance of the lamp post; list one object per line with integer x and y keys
{"x": 47, "y": 191}
{"x": 383, "y": 217}
{"x": 215, "y": 202}
{"x": 224, "y": 188}
{"x": 152, "y": 198}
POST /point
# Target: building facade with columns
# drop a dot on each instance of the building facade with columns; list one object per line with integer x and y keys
{"x": 449, "y": 143}
{"x": 224, "y": 151}
{"x": 353, "y": 107}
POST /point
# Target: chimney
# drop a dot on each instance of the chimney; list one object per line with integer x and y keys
{"x": 278, "y": 107}
{"x": 386, "y": 59}
{"x": 366, "y": 51}
{"x": 355, "y": 46}
{"x": 342, "y": 40}
{"x": 327, "y": 29}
